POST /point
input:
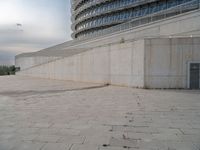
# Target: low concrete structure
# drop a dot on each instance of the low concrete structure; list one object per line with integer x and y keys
{"x": 150, "y": 56}
{"x": 149, "y": 63}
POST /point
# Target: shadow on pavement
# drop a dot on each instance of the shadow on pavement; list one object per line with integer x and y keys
{"x": 35, "y": 92}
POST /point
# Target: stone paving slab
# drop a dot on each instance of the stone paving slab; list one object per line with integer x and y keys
{"x": 43, "y": 114}
{"x": 56, "y": 146}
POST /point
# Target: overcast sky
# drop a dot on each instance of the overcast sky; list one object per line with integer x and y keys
{"x": 31, "y": 25}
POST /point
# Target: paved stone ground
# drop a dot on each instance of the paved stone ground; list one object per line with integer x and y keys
{"x": 39, "y": 114}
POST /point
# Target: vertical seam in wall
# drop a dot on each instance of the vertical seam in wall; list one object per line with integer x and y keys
{"x": 92, "y": 72}
{"x": 149, "y": 64}
{"x": 170, "y": 63}
{"x": 192, "y": 48}
{"x": 132, "y": 49}
{"x": 182, "y": 63}
{"x": 144, "y": 63}
{"x": 188, "y": 64}
{"x": 109, "y": 64}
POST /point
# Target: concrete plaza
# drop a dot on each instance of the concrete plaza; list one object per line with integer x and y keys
{"x": 41, "y": 114}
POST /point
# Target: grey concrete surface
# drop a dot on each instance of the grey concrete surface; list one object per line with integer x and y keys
{"x": 148, "y": 63}
{"x": 41, "y": 114}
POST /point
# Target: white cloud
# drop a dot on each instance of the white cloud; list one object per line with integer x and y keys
{"x": 9, "y": 12}
{"x": 43, "y": 23}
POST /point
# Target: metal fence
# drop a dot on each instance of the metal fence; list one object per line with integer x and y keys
{"x": 183, "y": 8}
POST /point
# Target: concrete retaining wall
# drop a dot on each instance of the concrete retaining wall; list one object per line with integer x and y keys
{"x": 149, "y": 63}
{"x": 120, "y": 64}
{"x": 27, "y": 62}
{"x": 166, "y": 61}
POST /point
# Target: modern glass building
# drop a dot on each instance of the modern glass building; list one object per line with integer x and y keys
{"x": 91, "y": 18}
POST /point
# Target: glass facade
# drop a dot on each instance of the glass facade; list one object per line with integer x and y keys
{"x": 89, "y": 16}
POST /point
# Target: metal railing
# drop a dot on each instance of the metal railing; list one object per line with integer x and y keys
{"x": 183, "y": 8}
{"x": 134, "y": 4}
{"x": 119, "y": 8}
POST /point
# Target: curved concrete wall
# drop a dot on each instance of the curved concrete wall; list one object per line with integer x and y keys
{"x": 90, "y": 17}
